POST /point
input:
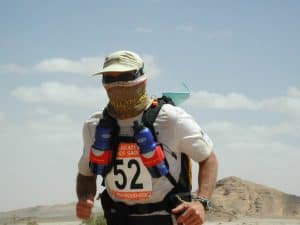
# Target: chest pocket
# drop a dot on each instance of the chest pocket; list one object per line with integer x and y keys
{"x": 129, "y": 179}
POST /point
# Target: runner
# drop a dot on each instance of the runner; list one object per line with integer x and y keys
{"x": 141, "y": 147}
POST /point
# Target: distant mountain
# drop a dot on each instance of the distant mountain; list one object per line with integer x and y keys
{"x": 59, "y": 212}
{"x": 63, "y": 212}
{"x": 235, "y": 198}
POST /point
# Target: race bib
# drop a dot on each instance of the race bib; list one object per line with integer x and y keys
{"x": 129, "y": 179}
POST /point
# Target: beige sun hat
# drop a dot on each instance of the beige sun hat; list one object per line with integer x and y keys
{"x": 122, "y": 61}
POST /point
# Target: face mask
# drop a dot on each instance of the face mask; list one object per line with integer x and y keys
{"x": 127, "y": 101}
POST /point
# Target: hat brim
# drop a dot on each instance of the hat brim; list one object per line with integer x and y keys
{"x": 116, "y": 68}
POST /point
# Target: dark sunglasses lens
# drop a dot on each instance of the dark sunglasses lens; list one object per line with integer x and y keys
{"x": 122, "y": 77}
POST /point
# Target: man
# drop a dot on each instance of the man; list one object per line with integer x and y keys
{"x": 141, "y": 190}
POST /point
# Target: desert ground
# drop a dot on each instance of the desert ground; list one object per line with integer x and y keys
{"x": 245, "y": 221}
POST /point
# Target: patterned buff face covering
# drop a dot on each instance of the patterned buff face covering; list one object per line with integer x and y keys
{"x": 127, "y": 101}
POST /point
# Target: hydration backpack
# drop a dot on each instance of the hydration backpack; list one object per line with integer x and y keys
{"x": 184, "y": 184}
{"x": 181, "y": 189}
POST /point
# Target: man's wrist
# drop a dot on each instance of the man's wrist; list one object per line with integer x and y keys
{"x": 86, "y": 186}
{"x": 204, "y": 201}
{"x": 86, "y": 196}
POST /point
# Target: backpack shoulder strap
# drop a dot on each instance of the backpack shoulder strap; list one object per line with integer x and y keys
{"x": 149, "y": 116}
{"x": 151, "y": 113}
{"x": 115, "y": 141}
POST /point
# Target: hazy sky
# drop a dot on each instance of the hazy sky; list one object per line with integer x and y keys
{"x": 241, "y": 60}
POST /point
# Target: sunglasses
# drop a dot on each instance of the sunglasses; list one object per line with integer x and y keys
{"x": 125, "y": 77}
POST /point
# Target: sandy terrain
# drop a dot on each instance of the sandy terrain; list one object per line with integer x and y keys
{"x": 248, "y": 221}
{"x": 254, "y": 221}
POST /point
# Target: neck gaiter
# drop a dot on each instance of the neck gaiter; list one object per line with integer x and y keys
{"x": 127, "y": 101}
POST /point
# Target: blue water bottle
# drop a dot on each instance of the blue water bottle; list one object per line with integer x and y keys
{"x": 101, "y": 152}
{"x": 152, "y": 154}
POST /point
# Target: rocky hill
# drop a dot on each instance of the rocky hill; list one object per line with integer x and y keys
{"x": 235, "y": 198}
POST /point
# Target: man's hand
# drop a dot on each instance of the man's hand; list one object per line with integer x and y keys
{"x": 84, "y": 208}
{"x": 193, "y": 213}
{"x": 86, "y": 191}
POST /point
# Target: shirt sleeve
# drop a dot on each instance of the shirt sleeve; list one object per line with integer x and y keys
{"x": 191, "y": 139}
{"x": 88, "y": 135}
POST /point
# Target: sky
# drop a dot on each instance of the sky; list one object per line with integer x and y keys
{"x": 240, "y": 59}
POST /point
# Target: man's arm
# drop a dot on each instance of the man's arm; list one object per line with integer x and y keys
{"x": 86, "y": 189}
{"x": 207, "y": 176}
{"x": 194, "y": 212}
{"x": 86, "y": 186}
